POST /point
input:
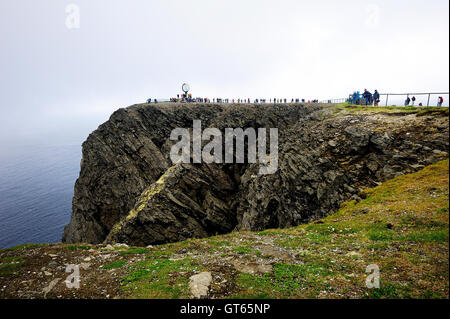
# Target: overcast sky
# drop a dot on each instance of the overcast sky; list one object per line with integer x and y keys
{"x": 61, "y": 74}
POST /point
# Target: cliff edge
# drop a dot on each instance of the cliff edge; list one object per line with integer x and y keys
{"x": 129, "y": 190}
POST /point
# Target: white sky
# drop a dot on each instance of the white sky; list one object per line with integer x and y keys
{"x": 54, "y": 78}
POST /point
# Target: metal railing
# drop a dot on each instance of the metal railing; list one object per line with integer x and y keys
{"x": 399, "y": 99}
{"x": 334, "y": 101}
{"x": 416, "y": 95}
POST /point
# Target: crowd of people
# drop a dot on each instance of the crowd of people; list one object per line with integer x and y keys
{"x": 411, "y": 101}
{"x": 187, "y": 98}
{"x": 367, "y": 98}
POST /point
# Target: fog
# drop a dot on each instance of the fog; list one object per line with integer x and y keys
{"x": 67, "y": 65}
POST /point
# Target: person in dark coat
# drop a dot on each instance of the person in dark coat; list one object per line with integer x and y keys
{"x": 376, "y": 98}
{"x": 367, "y": 96}
{"x": 407, "y": 100}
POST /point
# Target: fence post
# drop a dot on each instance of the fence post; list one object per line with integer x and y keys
{"x": 387, "y": 98}
{"x": 428, "y": 103}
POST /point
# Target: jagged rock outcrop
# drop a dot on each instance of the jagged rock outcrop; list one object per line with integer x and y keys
{"x": 325, "y": 162}
{"x": 130, "y": 191}
{"x": 187, "y": 201}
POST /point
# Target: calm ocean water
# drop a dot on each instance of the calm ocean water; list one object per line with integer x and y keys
{"x": 36, "y": 189}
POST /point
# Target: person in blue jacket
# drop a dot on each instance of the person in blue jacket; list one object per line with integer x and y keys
{"x": 367, "y": 96}
{"x": 357, "y": 97}
{"x": 353, "y": 96}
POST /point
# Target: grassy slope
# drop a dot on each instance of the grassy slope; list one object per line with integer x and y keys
{"x": 401, "y": 226}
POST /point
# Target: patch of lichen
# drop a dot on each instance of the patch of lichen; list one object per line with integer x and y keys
{"x": 143, "y": 200}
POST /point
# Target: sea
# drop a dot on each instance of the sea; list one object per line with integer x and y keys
{"x": 36, "y": 190}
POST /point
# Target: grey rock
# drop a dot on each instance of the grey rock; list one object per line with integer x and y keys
{"x": 199, "y": 284}
{"x": 130, "y": 192}
{"x": 50, "y": 286}
{"x": 251, "y": 267}
{"x": 52, "y": 264}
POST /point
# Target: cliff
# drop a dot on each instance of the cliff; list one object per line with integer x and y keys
{"x": 129, "y": 191}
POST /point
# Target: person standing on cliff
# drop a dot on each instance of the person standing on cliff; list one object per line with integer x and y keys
{"x": 367, "y": 96}
{"x": 407, "y": 100}
{"x": 413, "y": 100}
{"x": 376, "y": 98}
{"x": 357, "y": 97}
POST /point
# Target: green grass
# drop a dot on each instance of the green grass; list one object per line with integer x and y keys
{"x": 75, "y": 247}
{"x": 10, "y": 268}
{"x": 389, "y": 290}
{"x": 24, "y": 246}
{"x": 243, "y": 250}
{"x": 134, "y": 250}
{"x": 381, "y": 235}
{"x": 285, "y": 281}
{"x": 271, "y": 232}
{"x": 10, "y": 259}
{"x": 160, "y": 278}
{"x": 351, "y": 108}
{"x": 115, "y": 264}
{"x": 440, "y": 235}
{"x": 219, "y": 243}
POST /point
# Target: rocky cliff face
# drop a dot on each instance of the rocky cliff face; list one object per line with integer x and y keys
{"x": 130, "y": 191}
